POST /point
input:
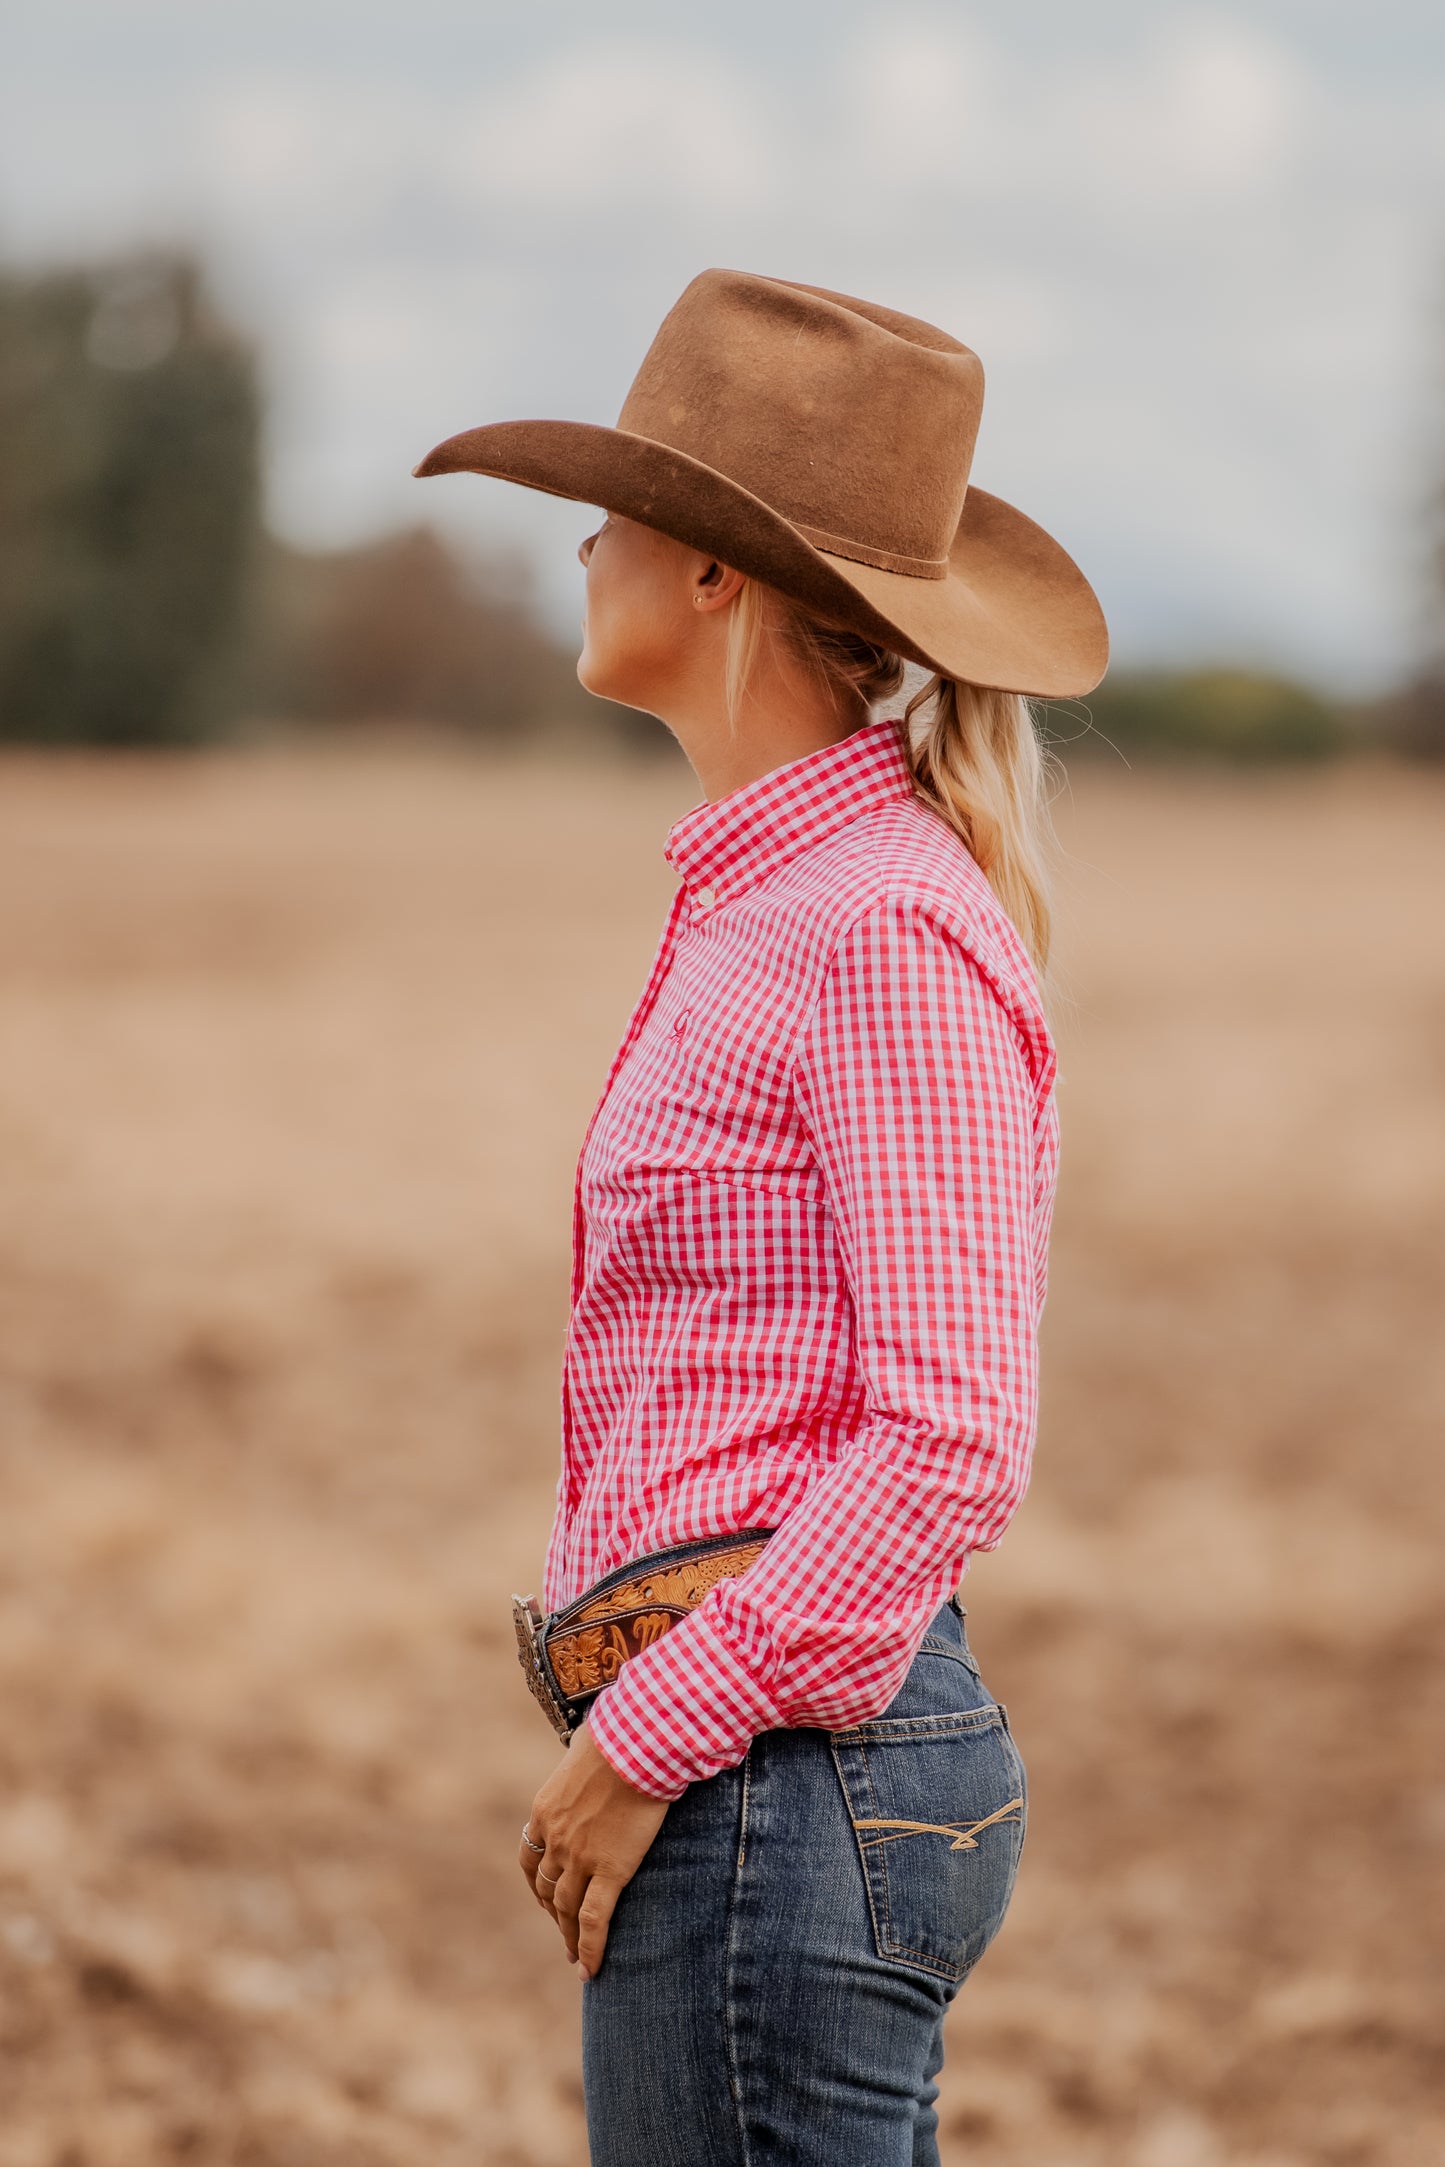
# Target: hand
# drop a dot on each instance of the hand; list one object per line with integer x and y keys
{"x": 597, "y": 1830}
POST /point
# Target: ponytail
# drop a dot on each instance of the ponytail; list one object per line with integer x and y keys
{"x": 977, "y": 761}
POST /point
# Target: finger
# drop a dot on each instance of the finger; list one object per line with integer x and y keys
{"x": 593, "y": 1920}
{"x": 529, "y": 1858}
{"x": 545, "y": 1890}
{"x": 567, "y": 1902}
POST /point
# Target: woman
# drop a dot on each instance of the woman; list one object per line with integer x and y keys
{"x": 810, "y": 1235}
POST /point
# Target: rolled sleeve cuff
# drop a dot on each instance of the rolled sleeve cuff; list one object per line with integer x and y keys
{"x": 680, "y": 1711}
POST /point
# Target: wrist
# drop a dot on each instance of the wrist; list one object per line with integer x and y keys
{"x": 610, "y": 1751}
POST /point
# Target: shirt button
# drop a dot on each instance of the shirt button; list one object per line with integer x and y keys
{"x": 704, "y": 897}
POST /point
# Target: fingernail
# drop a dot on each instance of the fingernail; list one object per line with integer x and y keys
{"x": 583, "y": 1972}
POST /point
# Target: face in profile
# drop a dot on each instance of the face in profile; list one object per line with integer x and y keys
{"x": 639, "y": 600}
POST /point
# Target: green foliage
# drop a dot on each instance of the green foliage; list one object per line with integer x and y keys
{"x": 1220, "y": 714}
{"x": 129, "y": 482}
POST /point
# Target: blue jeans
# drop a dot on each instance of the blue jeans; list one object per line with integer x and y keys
{"x": 777, "y": 1970}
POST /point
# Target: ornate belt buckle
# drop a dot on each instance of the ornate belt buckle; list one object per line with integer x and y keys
{"x": 529, "y": 1622}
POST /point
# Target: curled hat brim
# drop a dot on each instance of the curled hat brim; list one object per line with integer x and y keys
{"x": 1013, "y": 612}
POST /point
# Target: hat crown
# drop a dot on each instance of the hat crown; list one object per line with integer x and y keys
{"x": 853, "y": 421}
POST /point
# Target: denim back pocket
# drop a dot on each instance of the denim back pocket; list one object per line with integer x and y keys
{"x": 938, "y": 1805}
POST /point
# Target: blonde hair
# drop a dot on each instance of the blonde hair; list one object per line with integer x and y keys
{"x": 976, "y": 756}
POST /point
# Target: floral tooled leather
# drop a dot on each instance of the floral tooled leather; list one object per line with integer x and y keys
{"x": 680, "y": 1587}
{"x": 587, "y": 1653}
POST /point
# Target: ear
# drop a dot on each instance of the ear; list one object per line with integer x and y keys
{"x": 715, "y": 585}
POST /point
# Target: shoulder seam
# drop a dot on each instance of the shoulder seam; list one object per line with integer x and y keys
{"x": 893, "y": 893}
{"x": 1026, "y": 1017}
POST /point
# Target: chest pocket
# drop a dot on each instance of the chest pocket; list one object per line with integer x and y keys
{"x": 702, "y": 1098}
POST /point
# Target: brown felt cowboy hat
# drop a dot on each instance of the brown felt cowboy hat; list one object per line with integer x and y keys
{"x": 823, "y": 444}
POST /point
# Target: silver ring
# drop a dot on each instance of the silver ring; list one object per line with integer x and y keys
{"x": 528, "y": 1841}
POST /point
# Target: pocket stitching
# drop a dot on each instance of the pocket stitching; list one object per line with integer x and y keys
{"x": 882, "y": 1936}
{"x": 884, "y": 1730}
{"x": 894, "y": 1946}
{"x": 890, "y": 1938}
{"x": 889, "y": 1945}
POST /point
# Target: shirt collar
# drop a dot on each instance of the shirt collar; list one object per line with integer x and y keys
{"x": 728, "y": 844}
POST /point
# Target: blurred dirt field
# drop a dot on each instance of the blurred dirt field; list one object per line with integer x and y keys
{"x": 296, "y": 1051}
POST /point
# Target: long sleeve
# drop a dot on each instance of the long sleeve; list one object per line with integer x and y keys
{"x": 929, "y": 1106}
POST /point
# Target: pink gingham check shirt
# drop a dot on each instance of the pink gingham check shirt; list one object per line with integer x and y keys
{"x": 809, "y": 1258}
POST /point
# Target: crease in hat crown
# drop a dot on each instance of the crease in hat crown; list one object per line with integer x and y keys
{"x": 824, "y": 444}
{"x": 760, "y": 379}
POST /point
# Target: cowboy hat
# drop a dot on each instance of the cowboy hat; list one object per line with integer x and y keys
{"x": 823, "y": 444}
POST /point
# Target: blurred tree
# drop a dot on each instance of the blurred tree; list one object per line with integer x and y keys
{"x": 1219, "y": 713}
{"x": 404, "y": 630}
{"x": 129, "y": 486}
{"x": 142, "y": 602}
{"x": 1412, "y": 717}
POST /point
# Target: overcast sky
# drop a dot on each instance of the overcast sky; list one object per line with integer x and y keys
{"x": 1200, "y": 250}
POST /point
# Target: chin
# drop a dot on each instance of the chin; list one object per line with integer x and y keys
{"x": 592, "y": 678}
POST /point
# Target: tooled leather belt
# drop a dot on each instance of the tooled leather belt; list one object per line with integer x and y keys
{"x": 568, "y": 1657}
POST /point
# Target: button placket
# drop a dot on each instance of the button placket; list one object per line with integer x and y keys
{"x": 646, "y": 1001}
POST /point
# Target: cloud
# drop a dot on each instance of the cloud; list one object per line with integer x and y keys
{"x": 1205, "y": 107}
{"x": 1231, "y": 104}
{"x": 618, "y": 125}
{"x": 1191, "y": 242}
{"x": 917, "y": 99}
{"x": 334, "y": 154}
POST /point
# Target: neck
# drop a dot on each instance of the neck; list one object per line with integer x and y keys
{"x": 779, "y": 719}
